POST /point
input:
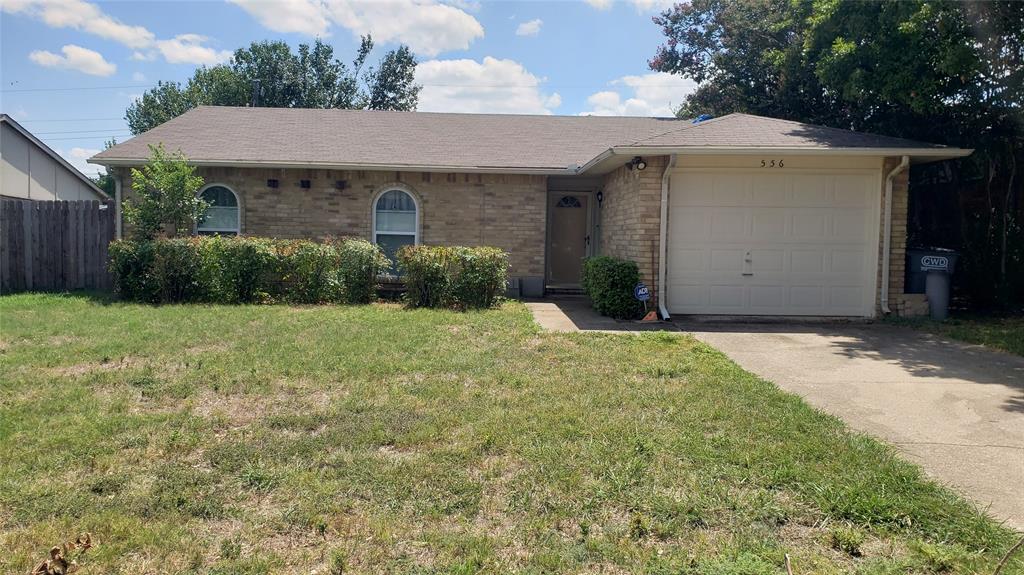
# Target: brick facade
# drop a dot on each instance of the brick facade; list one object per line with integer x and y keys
{"x": 631, "y": 216}
{"x": 900, "y": 303}
{"x": 506, "y": 211}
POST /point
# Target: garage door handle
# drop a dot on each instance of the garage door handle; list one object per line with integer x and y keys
{"x": 747, "y": 264}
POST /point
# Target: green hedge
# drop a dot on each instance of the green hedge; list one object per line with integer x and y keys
{"x": 609, "y": 283}
{"x": 458, "y": 277}
{"x": 246, "y": 270}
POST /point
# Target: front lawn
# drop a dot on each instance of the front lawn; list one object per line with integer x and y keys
{"x": 1005, "y": 333}
{"x": 217, "y": 439}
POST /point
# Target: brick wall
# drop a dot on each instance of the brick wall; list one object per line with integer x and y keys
{"x": 506, "y": 211}
{"x": 631, "y": 214}
{"x": 900, "y": 303}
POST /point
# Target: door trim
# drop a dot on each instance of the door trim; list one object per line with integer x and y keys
{"x": 589, "y": 250}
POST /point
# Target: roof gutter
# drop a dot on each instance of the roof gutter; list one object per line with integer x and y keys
{"x": 930, "y": 153}
{"x": 887, "y": 234}
{"x": 663, "y": 237}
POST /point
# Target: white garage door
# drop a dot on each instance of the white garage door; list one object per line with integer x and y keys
{"x": 759, "y": 243}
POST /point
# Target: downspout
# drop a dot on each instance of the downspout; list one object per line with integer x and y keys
{"x": 663, "y": 236}
{"x": 887, "y": 234}
{"x": 117, "y": 204}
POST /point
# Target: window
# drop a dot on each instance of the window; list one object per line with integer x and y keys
{"x": 222, "y": 215}
{"x": 569, "y": 202}
{"x": 395, "y": 221}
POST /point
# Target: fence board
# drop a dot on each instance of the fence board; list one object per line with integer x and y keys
{"x": 55, "y": 246}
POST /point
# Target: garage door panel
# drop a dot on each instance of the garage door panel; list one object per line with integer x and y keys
{"x": 728, "y": 224}
{"x": 813, "y": 190}
{"x": 848, "y": 225}
{"x": 769, "y": 223}
{"x": 807, "y": 261}
{"x": 810, "y": 239}
{"x": 809, "y": 224}
{"x": 767, "y": 260}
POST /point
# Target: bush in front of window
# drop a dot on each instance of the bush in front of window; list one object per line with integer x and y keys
{"x": 427, "y": 273}
{"x": 311, "y": 273}
{"x": 609, "y": 283}
{"x": 360, "y": 262}
{"x": 236, "y": 269}
{"x": 459, "y": 277}
{"x": 218, "y": 269}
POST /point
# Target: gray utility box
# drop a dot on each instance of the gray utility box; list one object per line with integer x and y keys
{"x": 922, "y": 261}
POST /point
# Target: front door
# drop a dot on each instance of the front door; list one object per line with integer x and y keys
{"x": 568, "y": 235}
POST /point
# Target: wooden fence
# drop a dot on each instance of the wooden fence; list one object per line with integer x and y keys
{"x": 55, "y": 246}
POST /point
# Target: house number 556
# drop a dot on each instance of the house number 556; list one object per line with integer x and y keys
{"x": 772, "y": 164}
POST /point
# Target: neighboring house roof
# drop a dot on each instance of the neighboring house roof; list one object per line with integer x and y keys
{"x": 5, "y": 119}
{"x": 370, "y": 139}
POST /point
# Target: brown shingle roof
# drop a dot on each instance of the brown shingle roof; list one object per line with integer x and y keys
{"x": 361, "y": 138}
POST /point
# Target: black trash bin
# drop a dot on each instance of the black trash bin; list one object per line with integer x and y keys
{"x": 920, "y": 261}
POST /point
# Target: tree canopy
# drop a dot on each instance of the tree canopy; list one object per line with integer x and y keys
{"x": 270, "y": 74}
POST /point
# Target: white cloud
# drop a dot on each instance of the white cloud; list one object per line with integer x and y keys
{"x": 641, "y": 5}
{"x": 531, "y": 28}
{"x": 77, "y": 158}
{"x": 189, "y": 48}
{"x": 89, "y": 18}
{"x": 427, "y": 26}
{"x": 76, "y": 58}
{"x": 653, "y": 94}
{"x": 491, "y": 86}
{"x": 287, "y": 16}
{"x": 138, "y": 77}
{"x": 83, "y": 16}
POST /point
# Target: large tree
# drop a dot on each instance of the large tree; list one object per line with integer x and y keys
{"x": 935, "y": 70}
{"x": 270, "y": 74}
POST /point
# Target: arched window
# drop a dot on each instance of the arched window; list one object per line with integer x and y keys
{"x": 395, "y": 221}
{"x": 222, "y": 216}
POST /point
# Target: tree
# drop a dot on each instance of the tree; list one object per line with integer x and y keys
{"x": 164, "y": 196}
{"x": 932, "y": 70}
{"x": 106, "y": 181}
{"x": 269, "y": 74}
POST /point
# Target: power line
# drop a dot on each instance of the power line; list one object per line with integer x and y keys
{"x": 9, "y": 90}
{"x": 87, "y": 137}
{"x": 104, "y": 130}
{"x": 428, "y": 84}
{"x": 69, "y": 120}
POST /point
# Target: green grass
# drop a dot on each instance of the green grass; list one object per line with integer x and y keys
{"x": 215, "y": 439}
{"x": 1004, "y": 333}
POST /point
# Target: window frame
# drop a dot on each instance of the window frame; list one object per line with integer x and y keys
{"x": 238, "y": 217}
{"x": 374, "y": 232}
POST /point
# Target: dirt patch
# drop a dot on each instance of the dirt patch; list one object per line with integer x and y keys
{"x": 79, "y": 369}
{"x": 211, "y": 347}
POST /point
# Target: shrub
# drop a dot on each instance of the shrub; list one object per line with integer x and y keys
{"x": 460, "y": 277}
{"x": 175, "y": 270}
{"x": 311, "y": 272}
{"x": 130, "y": 263}
{"x": 237, "y": 270}
{"x": 427, "y": 272}
{"x": 360, "y": 264}
{"x": 245, "y": 270}
{"x": 609, "y": 283}
{"x": 480, "y": 278}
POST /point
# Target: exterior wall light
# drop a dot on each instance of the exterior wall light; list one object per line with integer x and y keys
{"x": 638, "y": 163}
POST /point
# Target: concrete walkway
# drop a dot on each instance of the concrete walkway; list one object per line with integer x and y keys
{"x": 956, "y": 410}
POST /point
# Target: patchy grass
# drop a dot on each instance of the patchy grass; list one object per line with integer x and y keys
{"x": 1004, "y": 333}
{"x": 215, "y": 439}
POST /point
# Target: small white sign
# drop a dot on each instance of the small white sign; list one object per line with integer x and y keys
{"x": 934, "y": 263}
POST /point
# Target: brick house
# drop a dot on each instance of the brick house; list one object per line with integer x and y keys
{"x": 737, "y": 215}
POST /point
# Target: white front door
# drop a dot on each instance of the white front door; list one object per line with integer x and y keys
{"x": 749, "y": 242}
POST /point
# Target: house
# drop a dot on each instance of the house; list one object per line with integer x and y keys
{"x": 733, "y": 215}
{"x": 30, "y": 170}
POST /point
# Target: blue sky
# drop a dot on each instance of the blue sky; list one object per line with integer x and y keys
{"x": 69, "y": 68}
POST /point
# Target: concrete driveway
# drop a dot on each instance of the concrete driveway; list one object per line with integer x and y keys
{"x": 957, "y": 410}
